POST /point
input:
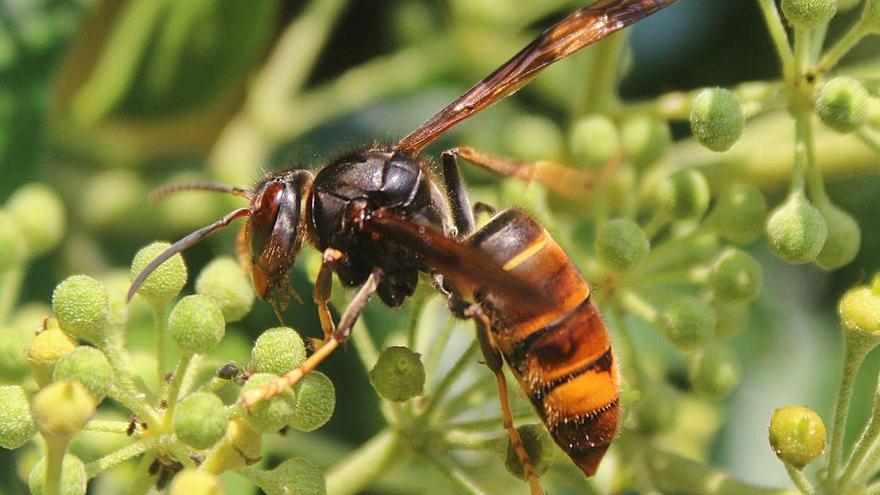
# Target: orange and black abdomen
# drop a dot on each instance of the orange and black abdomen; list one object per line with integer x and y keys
{"x": 562, "y": 355}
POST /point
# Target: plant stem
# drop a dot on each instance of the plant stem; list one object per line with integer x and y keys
{"x": 857, "y": 467}
{"x": 364, "y": 345}
{"x": 106, "y": 426}
{"x": 843, "y": 46}
{"x": 454, "y": 474}
{"x": 869, "y": 138}
{"x": 56, "y": 446}
{"x": 635, "y": 304}
{"x": 778, "y": 35}
{"x": 443, "y": 387}
{"x": 417, "y": 306}
{"x": 435, "y": 351}
{"x": 800, "y": 481}
{"x": 487, "y": 423}
{"x": 637, "y": 378}
{"x": 161, "y": 348}
{"x": 174, "y": 389}
{"x": 113, "y": 459}
{"x": 814, "y": 174}
{"x": 9, "y": 291}
{"x": 144, "y": 481}
{"x": 601, "y": 88}
{"x": 363, "y": 466}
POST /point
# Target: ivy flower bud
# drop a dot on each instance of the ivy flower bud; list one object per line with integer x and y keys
{"x": 89, "y": 367}
{"x": 166, "y": 281}
{"x": 73, "y": 477}
{"x": 714, "y": 372}
{"x": 315, "y": 402}
{"x": 538, "y": 446}
{"x": 200, "y": 420}
{"x": 45, "y": 350}
{"x": 530, "y": 137}
{"x": 399, "y": 374}
{"x": 735, "y": 277}
{"x": 62, "y": 408}
{"x": 241, "y": 446}
{"x": 40, "y": 215}
{"x": 797, "y": 435}
{"x": 860, "y": 310}
{"x": 270, "y": 415}
{"x": 688, "y": 322}
{"x": 842, "y": 104}
{"x": 194, "y": 482}
{"x": 645, "y": 139}
{"x": 844, "y": 238}
{"x": 82, "y": 305}
{"x": 13, "y": 362}
{"x": 224, "y": 280}
{"x": 196, "y": 324}
{"x": 296, "y": 476}
{"x": 593, "y": 140}
{"x": 717, "y": 119}
{"x": 656, "y": 410}
{"x": 684, "y": 194}
{"x": 621, "y": 244}
{"x": 796, "y": 230}
{"x": 740, "y": 213}
{"x": 277, "y": 351}
{"x": 13, "y": 249}
{"x": 807, "y": 14}
{"x": 16, "y": 423}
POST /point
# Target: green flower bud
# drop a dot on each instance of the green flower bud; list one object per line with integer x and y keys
{"x": 529, "y": 137}
{"x": 860, "y": 310}
{"x": 688, "y": 322}
{"x": 797, "y": 435}
{"x": 73, "y": 477}
{"x": 270, "y": 415}
{"x": 194, "y": 482}
{"x": 656, "y": 410}
{"x": 62, "y": 408}
{"x": 645, "y": 139}
{"x": 13, "y": 362}
{"x": 538, "y": 446}
{"x": 735, "y": 277}
{"x": 684, "y": 194}
{"x": 717, "y": 119}
{"x": 593, "y": 140}
{"x": 277, "y": 351}
{"x": 842, "y": 104}
{"x": 807, "y": 14}
{"x": 224, "y": 280}
{"x": 399, "y": 374}
{"x": 16, "y": 423}
{"x": 89, "y": 367}
{"x": 166, "y": 281}
{"x": 40, "y": 214}
{"x": 844, "y": 238}
{"x": 196, "y": 324}
{"x": 740, "y": 213}
{"x": 241, "y": 446}
{"x": 315, "y": 401}
{"x": 796, "y": 230}
{"x": 296, "y": 476}
{"x": 621, "y": 244}
{"x": 82, "y": 305}
{"x": 46, "y": 349}
{"x": 714, "y": 372}
{"x": 733, "y": 319}
{"x": 13, "y": 249}
{"x": 200, "y": 420}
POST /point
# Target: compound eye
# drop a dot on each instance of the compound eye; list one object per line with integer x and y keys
{"x": 262, "y": 220}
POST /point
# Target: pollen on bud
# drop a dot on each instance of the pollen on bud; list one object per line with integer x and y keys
{"x": 714, "y": 371}
{"x": 684, "y": 194}
{"x": 735, "y": 277}
{"x": 860, "y": 310}
{"x": 16, "y": 423}
{"x": 315, "y": 402}
{"x": 270, "y": 415}
{"x": 399, "y": 374}
{"x": 89, "y": 367}
{"x": 688, "y": 322}
{"x": 13, "y": 249}
{"x": 295, "y": 476}
{"x": 844, "y": 238}
{"x": 796, "y": 230}
{"x": 621, "y": 244}
{"x": 40, "y": 214}
{"x": 82, "y": 306}
{"x": 530, "y": 137}
{"x": 797, "y": 435}
{"x": 717, "y": 119}
{"x": 165, "y": 282}
{"x": 277, "y": 351}
{"x": 62, "y": 408}
{"x": 538, "y": 446}
{"x": 194, "y": 482}
{"x": 200, "y": 420}
{"x": 46, "y": 349}
{"x": 196, "y": 324}
{"x": 842, "y": 104}
{"x": 740, "y": 213}
{"x": 807, "y": 14}
{"x": 593, "y": 140}
{"x": 645, "y": 139}
{"x": 224, "y": 280}
{"x": 73, "y": 477}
